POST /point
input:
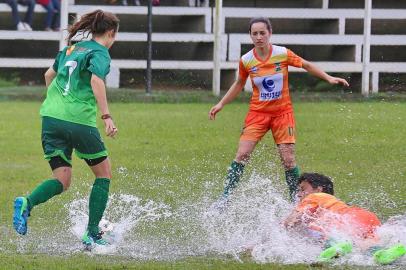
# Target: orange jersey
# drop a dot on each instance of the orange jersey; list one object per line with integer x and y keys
{"x": 269, "y": 79}
{"x": 317, "y": 201}
{"x": 326, "y": 213}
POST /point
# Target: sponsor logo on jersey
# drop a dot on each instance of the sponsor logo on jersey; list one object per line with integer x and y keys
{"x": 254, "y": 70}
{"x": 278, "y": 67}
{"x": 268, "y": 84}
{"x": 270, "y": 87}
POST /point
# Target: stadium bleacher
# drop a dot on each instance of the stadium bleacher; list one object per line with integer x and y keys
{"x": 328, "y": 32}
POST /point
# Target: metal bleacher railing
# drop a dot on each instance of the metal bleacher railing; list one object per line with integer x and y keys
{"x": 236, "y": 40}
{"x": 231, "y": 43}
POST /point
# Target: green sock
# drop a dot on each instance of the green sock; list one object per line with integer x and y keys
{"x": 292, "y": 177}
{"x": 97, "y": 203}
{"x": 233, "y": 177}
{"x": 45, "y": 191}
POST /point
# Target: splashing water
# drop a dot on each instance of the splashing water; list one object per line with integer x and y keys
{"x": 124, "y": 213}
{"x": 251, "y": 224}
{"x": 253, "y": 221}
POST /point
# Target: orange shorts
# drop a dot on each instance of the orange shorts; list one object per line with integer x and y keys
{"x": 258, "y": 124}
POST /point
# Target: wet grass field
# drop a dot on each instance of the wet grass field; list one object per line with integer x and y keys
{"x": 173, "y": 155}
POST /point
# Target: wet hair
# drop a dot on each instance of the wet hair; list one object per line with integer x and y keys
{"x": 96, "y": 23}
{"x": 262, "y": 20}
{"x": 318, "y": 180}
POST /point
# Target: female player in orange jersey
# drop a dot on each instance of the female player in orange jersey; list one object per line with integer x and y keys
{"x": 338, "y": 226}
{"x": 270, "y": 107}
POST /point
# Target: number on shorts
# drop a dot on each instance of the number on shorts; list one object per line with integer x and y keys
{"x": 71, "y": 67}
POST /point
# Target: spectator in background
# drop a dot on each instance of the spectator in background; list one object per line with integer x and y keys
{"x": 199, "y": 3}
{"x": 136, "y": 2}
{"x": 125, "y": 2}
{"x": 25, "y": 24}
{"x": 52, "y": 19}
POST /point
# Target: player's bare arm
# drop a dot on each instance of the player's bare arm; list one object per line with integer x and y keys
{"x": 317, "y": 72}
{"x": 99, "y": 91}
{"x": 49, "y": 76}
{"x": 231, "y": 94}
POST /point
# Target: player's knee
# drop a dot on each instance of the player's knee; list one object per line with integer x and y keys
{"x": 100, "y": 166}
{"x": 61, "y": 170}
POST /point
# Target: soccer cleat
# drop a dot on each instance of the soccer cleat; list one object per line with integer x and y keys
{"x": 90, "y": 240}
{"x": 21, "y": 214}
{"x": 335, "y": 251}
{"x": 389, "y": 255}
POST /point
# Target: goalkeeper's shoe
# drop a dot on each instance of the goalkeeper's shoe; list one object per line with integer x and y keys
{"x": 335, "y": 251}
{"x": 389, "y": 255}
{"x": 21, "y": 214}
{"x": 90, "y": 240}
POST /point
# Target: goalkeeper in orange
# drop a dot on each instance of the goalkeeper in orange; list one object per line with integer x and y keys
{"x": 321, "y": 216}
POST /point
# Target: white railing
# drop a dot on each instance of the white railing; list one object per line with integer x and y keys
{"x": 231, "y": 43}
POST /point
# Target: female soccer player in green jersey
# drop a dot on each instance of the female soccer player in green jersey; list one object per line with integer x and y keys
{"x": 75, "y": 85}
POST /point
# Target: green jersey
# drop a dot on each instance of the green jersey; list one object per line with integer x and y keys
{"x": 70, "y": 96}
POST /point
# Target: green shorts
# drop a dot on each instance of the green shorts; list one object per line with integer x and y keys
{"x": 60, "y": 137}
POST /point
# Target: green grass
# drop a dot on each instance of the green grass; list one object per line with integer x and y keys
{"x": 172, "y": 149}
{"x": 13, "y": 92}
{"x": 81, "y": 262}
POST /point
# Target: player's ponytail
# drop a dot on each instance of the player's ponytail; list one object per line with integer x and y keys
{"x": 96, "y": 23}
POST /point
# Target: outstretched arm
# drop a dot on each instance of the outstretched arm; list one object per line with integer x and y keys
{"x": 231, "y": 94}
{"x": 317, "y": 72}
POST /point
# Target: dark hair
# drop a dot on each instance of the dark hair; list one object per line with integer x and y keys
{"x": 318, "y": 180}
{"x": 96, "y": 23}
{"x": 262, "y": 20}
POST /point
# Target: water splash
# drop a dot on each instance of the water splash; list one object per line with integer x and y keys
{"x": 251, "y": 226}
{"x": 124, "y": 212}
